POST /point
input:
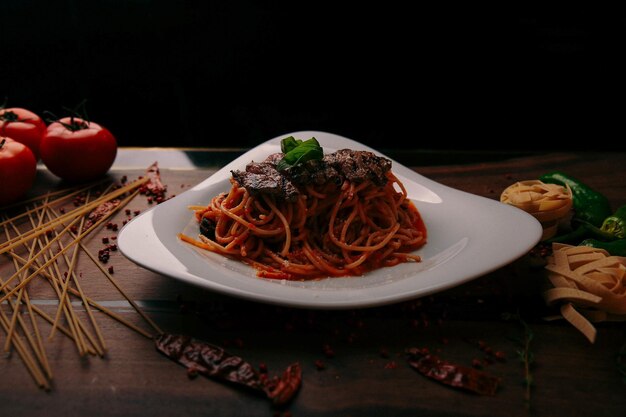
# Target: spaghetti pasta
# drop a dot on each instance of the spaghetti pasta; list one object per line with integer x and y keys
{"x": 327, "y": 230}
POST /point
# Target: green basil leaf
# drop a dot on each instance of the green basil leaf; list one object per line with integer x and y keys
{"x": 289, "y": 143}
{"x": 282, "y": 165}
{"x": 304, "y": 151}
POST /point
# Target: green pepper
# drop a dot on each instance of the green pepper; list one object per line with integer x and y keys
{"x": 616, "y": 247}
{"x": 616, "y": 223}
{"x": 589, "y": 205}
{"x": 582, "y": 231}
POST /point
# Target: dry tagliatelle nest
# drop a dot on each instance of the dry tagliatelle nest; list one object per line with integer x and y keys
{"x": 589, "y": 286}
{"x": 548, "y": 203}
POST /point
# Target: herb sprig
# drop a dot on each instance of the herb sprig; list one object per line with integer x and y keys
{"x": 297, "y": 151}
{"x": 525, "y": 354}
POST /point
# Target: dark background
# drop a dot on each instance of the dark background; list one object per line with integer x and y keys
{"x": 234, "y": 74}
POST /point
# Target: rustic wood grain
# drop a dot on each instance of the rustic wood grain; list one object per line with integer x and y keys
{"x": 368, "y": 374}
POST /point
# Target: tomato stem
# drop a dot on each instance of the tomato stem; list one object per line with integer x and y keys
{"x": 9, "y": 116}
{"x": 4, "y": 140}
{"x": 79, "y": 112}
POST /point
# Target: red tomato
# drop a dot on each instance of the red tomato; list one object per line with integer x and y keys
{"x": 23, "y": 126}
{"x": 77, "y": 150}
{"x": 18, "y": 168}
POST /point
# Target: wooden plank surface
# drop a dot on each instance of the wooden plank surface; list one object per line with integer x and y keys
{"x": 368, "y": 374}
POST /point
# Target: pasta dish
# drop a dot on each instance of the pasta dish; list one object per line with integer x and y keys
{"x": 339, "y": 215}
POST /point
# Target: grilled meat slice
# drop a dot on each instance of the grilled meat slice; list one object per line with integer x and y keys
{"x": 355, "y": 166}
{"x": 263, "y": 178}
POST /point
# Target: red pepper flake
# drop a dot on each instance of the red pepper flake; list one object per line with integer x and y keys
{"x": 62, "y": 210}
{"x": 136, "y": 212}
{"x": 319, "y": 364}
{"x": 127, "y": 211}
{"x": 105, "y": 240}
{"x": 74, "y": 229}
{"x": 99, "y": 212}
{"x": 501, "y": 356}
{"x": 111, "y": 271}
{"x": 124, "y": 222}
{"x": 113, "y": 237}
{"x": 124, "y": 179}
{"x": 103, "y": 255}
{"x": 477, "y": 363}
{"x": 114, "y": 227}
{"x": 391, "y": 365}
{"x": 48, "y": 233}
{"x": 149, "y": 200}
{"x": 263, "y": 368}
{"x": 112, "y": 247}
{"x": 79, "y": 200}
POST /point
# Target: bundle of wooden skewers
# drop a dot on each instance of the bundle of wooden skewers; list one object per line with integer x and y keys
{"x": 42, "y": 240}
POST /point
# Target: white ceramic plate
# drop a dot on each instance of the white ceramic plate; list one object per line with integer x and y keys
{"x": 468, "y": 236}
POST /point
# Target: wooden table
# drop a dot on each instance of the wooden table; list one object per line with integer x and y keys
{"x": 368, "y": 374}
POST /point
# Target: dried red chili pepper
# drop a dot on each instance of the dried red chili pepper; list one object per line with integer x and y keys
{"x": 448, "y": 373}
{"x": 213, "y": 361}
